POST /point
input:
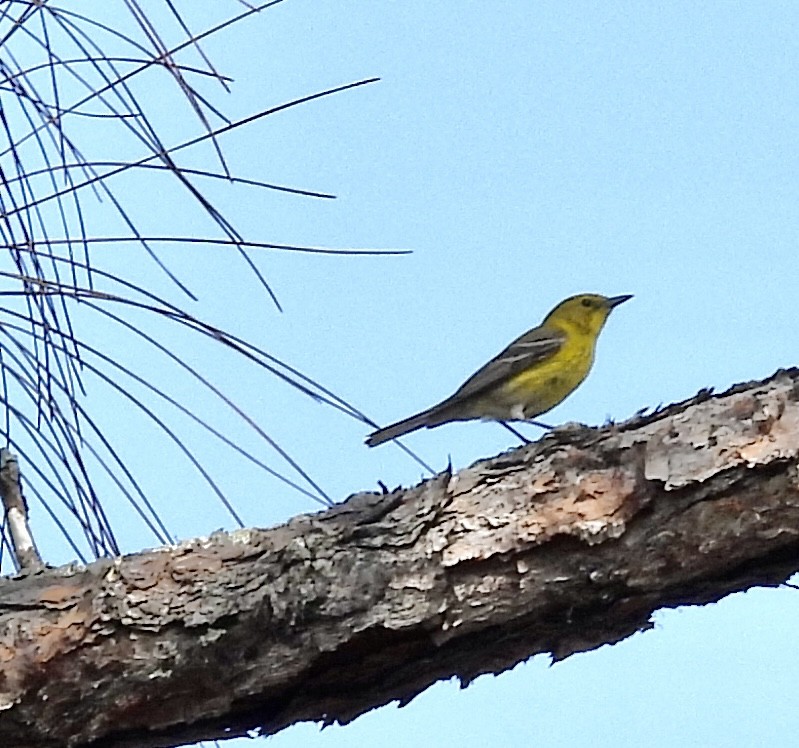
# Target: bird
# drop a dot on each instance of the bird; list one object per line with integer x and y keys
{"x": 536, "y": 372}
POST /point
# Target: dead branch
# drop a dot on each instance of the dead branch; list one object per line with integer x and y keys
{"x": 560, "y": 546}
{"x": 15, "y": 511}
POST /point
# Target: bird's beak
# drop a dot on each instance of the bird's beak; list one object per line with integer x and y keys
{"x": 614, "y": 301}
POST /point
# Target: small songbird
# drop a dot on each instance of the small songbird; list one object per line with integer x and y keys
{"x": 536, "y": 372}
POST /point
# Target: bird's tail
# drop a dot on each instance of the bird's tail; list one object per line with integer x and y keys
{"x": 402, "y": 427}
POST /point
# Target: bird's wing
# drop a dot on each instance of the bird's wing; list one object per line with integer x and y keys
{"x": 527, "y": 350}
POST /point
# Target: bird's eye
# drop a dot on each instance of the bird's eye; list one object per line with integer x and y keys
{"x": 586, "y": 302}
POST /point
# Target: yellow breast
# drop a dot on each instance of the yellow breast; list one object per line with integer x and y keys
{"x": 544, "y": 385}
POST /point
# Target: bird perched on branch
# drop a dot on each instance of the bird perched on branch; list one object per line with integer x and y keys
{"x": 536, "y": 372}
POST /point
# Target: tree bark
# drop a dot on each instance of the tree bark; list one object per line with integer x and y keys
{"x": 560, "y": 546}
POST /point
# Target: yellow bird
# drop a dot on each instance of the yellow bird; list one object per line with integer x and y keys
{"x": 536, "y": 372}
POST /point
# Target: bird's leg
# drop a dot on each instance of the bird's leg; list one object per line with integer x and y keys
{"x": 521, "y": 436}
{"x": 516, "y": 433}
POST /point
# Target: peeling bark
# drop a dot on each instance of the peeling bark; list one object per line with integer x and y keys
{"x": 560, "y": 546}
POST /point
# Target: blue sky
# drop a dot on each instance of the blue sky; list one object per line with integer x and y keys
{"x": 524, "y": 152}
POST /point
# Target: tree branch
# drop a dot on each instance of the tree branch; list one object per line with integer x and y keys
{"x": 15, "y": 512}
{"x": 560, "y": 546}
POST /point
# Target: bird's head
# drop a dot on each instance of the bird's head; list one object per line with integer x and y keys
{"x": 584, "y": 313}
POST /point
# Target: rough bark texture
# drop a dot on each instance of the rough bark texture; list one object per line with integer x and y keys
{"x": 559, "y": 546}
